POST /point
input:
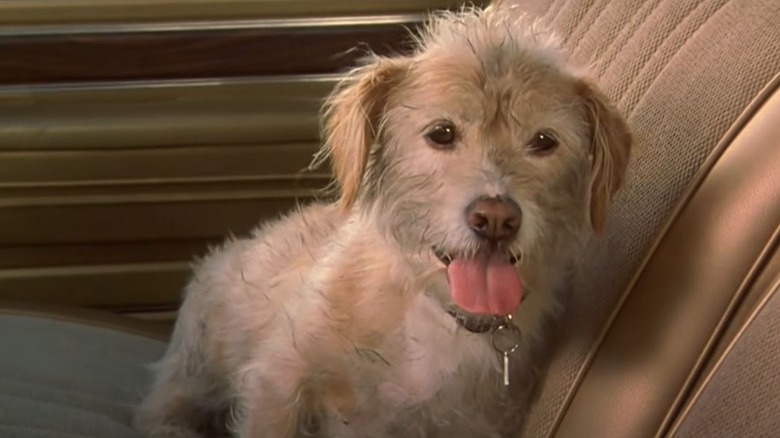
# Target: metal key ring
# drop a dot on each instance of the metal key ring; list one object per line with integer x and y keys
{"x": 506, "y": 337}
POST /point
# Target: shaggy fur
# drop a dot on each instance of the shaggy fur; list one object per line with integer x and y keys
{"x": 333, "y": 321}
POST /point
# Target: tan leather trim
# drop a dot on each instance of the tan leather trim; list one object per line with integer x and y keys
{"x": 612, "y": 381}
{"x": 94, "y": 318}
{"x": 772, "y": 291}
{"x": 761, "y": 286}
{"x": 740, "y": 295}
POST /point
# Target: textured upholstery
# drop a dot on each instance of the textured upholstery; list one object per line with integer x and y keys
{"x": 742, "y": 392}
{"x": 708, "y": 263}
{"x": 63, "y": 379}
{"x": 682, "y": 71}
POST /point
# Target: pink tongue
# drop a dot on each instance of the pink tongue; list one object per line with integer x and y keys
{"x": 485, "y": 285}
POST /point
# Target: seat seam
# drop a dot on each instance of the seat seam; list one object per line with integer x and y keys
{"x": 632, "y": 25}
{"x": 672, "y": 56}
{"x": 547, "y": 9}
{"x": 595, "y": 16}
{"x": 704, "y": 171}
{"x": 556, "y": 11}
{"x": 84, "y": 321}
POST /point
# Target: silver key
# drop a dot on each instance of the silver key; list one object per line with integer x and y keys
{"x": 506, "y": 340}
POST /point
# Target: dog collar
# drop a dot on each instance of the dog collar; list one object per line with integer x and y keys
{"x": 478, "y": 325}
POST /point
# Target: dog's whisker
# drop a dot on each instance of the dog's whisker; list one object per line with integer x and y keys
{"x": 292, "y": 327}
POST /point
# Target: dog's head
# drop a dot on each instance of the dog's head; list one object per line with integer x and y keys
{"x": 482, "y": 148}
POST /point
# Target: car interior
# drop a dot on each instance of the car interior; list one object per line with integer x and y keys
{"x": 136, "y": 134}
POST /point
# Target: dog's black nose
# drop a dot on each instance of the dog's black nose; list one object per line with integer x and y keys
{"x": 494, "y": 218}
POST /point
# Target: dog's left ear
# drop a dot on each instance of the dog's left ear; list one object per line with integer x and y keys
{"x": 610, "y": 151}
{"x": 352, "y": 120}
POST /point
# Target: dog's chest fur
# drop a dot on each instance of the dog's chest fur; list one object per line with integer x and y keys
{"x": 439, "y": 381}
{"x": 429, "y": 378}
{"x": 376, "y": 348}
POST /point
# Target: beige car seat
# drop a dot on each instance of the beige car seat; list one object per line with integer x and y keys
{"x": 665, "y": 317}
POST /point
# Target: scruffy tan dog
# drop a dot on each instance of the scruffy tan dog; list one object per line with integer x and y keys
{"x": 470, "y": 174}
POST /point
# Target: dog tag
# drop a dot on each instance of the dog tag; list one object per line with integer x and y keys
{"x": 506, "y": 340}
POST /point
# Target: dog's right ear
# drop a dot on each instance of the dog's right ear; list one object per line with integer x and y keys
{"x": 611, "y": 141}
{"x": 353, "y": 117}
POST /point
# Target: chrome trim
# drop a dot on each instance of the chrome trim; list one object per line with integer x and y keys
{"x": 206, "y": 26}
{"x": 303, "y": 176}
{"x": 155, "y": 198}
{"x": 32, "y": 89}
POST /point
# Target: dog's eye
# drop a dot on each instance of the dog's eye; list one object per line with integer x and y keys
{"x": 441, "y": 135}
{"x": 542, "y": 143}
